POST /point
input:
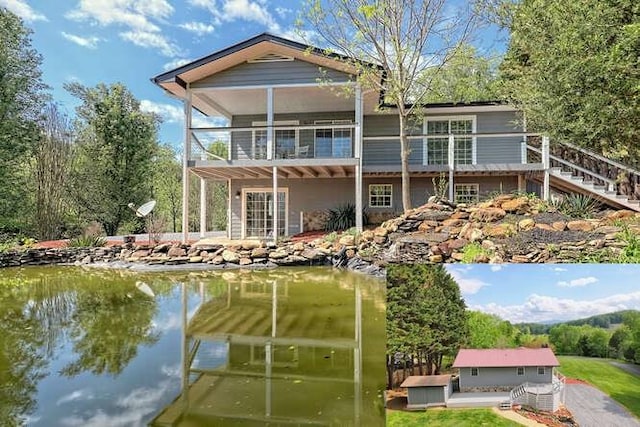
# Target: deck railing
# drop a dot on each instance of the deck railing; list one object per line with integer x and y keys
{"x": 317, "y": 141}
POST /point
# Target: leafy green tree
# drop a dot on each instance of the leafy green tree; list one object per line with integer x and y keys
{"x": 565, "y": 338}
{"x": 167, "y": 185}
{"x": 22, "y": 92}
{"x": 402, "y": 39}
{"x": 426, "y": 318}
{"x": 489, "y": 331}
{"x": 466, "y": 77}
{"x": 620, "y": 340}
{"x": 572, "y": 66}
{"x": 116, "y": 146}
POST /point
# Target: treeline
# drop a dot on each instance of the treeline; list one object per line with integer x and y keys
{"x": 600, "y": 321}
{"x": 62, "y": 177}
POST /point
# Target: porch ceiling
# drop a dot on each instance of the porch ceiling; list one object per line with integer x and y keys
{"x": 284, "y": 172}
{"x": 230, "y": 102}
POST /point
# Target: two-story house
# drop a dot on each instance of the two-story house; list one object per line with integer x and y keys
{"x": 303, "y": 128}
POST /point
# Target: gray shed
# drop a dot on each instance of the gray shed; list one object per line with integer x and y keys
{"x": 428, "y": 390}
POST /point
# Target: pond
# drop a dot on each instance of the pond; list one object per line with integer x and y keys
{"x": 237, "y": 348}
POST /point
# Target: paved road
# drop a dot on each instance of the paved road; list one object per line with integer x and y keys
{"x": 632, "y": 369}
{"x": 592, "y": 408}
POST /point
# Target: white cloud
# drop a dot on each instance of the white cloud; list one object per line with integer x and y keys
{"x": 232, "y": 10}
{"x": 82, "y": 394}
{"x": 23, "y": 10}
{"x": 199, "y": 28}
{"x": 140, "y": 18}
{"x": 178, "y": 62}
{"x": 468, "y": 285}
{"x": 496, "y": 267}
{"x": 88, "y": 42}
{"x": 583, "y": 281}
{"x": 283, "y": 11}
{"x": 541, "y": 308}
{"x": 151, "y": 40}
{"x": 175, "y": 114}
{"x": 559, "y": 269}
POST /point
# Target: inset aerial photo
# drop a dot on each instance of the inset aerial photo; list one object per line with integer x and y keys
{"x": 502, "y": 345}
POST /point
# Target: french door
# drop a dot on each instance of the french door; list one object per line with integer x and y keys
{"x": 258, "y": 213}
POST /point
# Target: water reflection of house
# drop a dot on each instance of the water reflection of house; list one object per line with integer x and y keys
{"x": 292, "y": 357}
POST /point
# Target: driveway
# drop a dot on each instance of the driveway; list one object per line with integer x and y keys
{"x": 592, "y": 408}
{"x": 632, "y": 369}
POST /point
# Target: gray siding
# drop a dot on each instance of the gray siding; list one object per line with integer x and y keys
{"x": 271, "y": 73}
{"x": 304, "y": 195}
{"x": 488, "y": 149}
{"x": 427, "y": 396}
{"x": 503, "y": 377}
{"x": 242, "y": 141}
{"x": 310, "y": 194}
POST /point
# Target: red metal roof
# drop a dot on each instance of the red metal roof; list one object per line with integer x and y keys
{"x": 496, "y": 358}
{"x": 426, "y": 380}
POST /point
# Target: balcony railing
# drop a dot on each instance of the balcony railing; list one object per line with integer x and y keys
{"x": 318, "y": 141}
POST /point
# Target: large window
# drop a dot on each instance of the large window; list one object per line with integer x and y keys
{"x": 333, "y": 142}
{"x": 286, "y": 141}
{"x": 436, "y": 148}
{"x": 380, "y": 195}
{"x": 467, "y": 193}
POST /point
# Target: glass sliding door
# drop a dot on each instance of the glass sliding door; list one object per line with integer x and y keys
{"x": 258, "y": 213}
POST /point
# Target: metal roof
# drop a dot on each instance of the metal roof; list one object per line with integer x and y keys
{"x": 426, "y": 381}
{"x": 505, "y": 357}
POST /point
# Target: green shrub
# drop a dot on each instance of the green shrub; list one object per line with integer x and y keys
{"x": 87, "y": 241}
{"x": 472, "y": 252}
{"x": 343, "y": 217}
{"x": 576, "y": 206}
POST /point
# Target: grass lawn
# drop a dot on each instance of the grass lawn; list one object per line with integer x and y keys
{"x": 620, "y": 385}
{"x": 447, "y": 418}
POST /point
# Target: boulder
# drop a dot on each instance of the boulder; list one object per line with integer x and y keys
{"x": 230, "y": 256}
{"x": 245, "y": 261}
{"x": 580, "y": 225}
{"x": 488, "y": 214}
{"x": 526, "y": 224}
{"x": 519, "y": 205}
{"x": 176, "y": 251}
{"x": 259, "y": 253}
{"x": 347, "y": 240}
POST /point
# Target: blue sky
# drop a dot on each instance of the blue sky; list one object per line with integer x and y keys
{"x": 548, "y": 292}
{"x": 130, "y": 41}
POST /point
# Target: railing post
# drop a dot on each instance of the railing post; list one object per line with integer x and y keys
{"x": 545, "y": 165}
{"x": 451, "y": 154}
{"x": 270, "y": 133}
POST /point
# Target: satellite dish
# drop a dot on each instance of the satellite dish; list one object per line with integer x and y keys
{"x": 146, "y": 209}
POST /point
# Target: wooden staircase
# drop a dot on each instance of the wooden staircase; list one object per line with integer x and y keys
{"x": 598, "y": 182}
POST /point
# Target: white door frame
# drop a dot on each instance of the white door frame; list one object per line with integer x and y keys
{"x": 246, "y": 190}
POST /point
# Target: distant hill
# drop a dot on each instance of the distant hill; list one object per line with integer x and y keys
{"x": 604, "y": 321}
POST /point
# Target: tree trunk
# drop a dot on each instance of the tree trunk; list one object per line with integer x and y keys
{"x": 404, "y": 160}
{"x": 390, "y": 372}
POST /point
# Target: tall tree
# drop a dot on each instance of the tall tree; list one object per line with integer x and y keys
{"x": 116, "y": 145}
{"x": 468, "y": 76}
{"x": 489, "y": 331}
{"x": 22, "y": 93}
{"x": 401, "y": 38}
{"x": 426, "y": 318}
{"x": 572, "y": 66}
{"x": 52, "y": 163}
{"x": 167, "y": 187}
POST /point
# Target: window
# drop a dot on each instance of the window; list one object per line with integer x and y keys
{"x": 333, "y": 142}
{"x": 541, "y": 370}
{"x": 474, "y": 372}
{"x": 380, "y": 195}
{"x": 467, "y": 193}
{"x": 436, "y": 149}
{"x": 286, "y": 140}
{"x": 520, "y": 371}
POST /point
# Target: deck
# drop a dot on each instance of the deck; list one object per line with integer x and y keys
{"x": 476, "y": 400}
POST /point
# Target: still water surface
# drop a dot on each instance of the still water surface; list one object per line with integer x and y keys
{"x": 116, "y": 348}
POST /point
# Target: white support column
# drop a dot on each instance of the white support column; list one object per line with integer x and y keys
{"x": 545, "y": 165}
{"x": 358, "y": 155}
{"x": 229, "y": 196}
{"x": 451, "y": 157}
{"x": 275, "y": 204}
{"x": 270, "y": 133}
{"x": 185, "y": 165}
{"x": 203, "y": 207}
